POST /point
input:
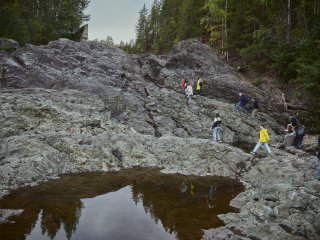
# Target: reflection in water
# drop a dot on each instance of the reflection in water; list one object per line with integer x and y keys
{"x": 133, "y": 204}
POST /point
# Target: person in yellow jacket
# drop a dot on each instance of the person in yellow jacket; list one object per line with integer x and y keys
{"x": 263, "y": 141}
{"x": 199, "y": 86}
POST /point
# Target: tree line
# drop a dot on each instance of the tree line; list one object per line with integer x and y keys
{"x": 38, "y": 22}
{"x": 282, "y": 36}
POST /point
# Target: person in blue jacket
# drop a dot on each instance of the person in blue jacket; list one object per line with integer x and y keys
{"x": 241, "y": 106}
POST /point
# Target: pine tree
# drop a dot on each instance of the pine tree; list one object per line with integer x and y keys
{"x": 142, "y": 28}
{"x": 38, "y": 22}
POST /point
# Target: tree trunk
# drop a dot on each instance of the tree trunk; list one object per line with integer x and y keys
{"x": 289, "y": 22}
{"x": 226, "y": 31}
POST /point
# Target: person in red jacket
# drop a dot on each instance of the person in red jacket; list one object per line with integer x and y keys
{"x": 184, "y": 86}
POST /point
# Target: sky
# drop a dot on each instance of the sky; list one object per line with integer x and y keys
{"x": 115, "y": 18}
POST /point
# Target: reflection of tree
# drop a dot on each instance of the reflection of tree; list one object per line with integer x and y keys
{"x": 181, "y": 213}
{"x": 48, "y": 225}
{"x": 184, "y": 213}
{"x": 66, "y": 214}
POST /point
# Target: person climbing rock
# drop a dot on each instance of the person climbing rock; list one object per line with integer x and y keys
{"x": 184, "y": 85}
{"x": 216, "y": 129}
{"x": 293, "y": 123}
{"x": 241, "y": 106}
{"x": 263, "y": 140}
{"x": 199, "y": 86}
{"x": 189, "y": 92}
{"x": 255, "y": 107}
{"x": 288, "y": 140}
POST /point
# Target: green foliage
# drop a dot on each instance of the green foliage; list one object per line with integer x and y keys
{"x": 258, "y": 82}
{"x": 284, "y": 62}
{"x": 12, "y": 25}
{"x": 37, "y": 22}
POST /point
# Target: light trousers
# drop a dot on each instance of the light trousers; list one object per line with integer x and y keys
{"x": 264, "y": 144}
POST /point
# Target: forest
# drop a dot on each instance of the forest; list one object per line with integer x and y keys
{"x": 38, "y": 22}
{"x": 281, "y": 37}
{"x": 277, "y": 36}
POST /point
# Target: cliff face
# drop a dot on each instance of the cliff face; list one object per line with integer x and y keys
{"x": 78, "y": 107}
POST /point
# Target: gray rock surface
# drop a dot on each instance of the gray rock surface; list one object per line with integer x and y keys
{"x": 8, "y": 44}
{"x": 81, "y": 107}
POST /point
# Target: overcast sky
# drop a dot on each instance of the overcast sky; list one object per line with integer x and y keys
{"x": 115, "y": 18}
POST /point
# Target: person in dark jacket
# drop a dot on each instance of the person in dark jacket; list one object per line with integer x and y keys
{"x": 216, "y": 128}
{"x": 242, "y": 103}
{"x": 300, "y": 132}
{"x": 255, "y": 107}
{"x": 293, "y": 123}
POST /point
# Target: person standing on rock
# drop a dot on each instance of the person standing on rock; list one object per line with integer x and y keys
{"x": 216, "y": 129}
{"x": 189, "y": 92}
{"x": 242, "y": 103}
{"x": 263, "y": 140}
{"x": 300, "y": 132}
{"x": 184, "y": 85}
{"x": 318, "y": 156}
{"x": 199, "y": 86}
{"x": 255, "y": 107}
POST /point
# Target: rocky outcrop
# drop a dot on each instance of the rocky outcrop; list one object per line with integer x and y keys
{"x": 49, "y": 132}
{"x": 81, "y": 107}
{"x": 8, "y": 44}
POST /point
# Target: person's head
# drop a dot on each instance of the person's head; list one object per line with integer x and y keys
{"x": 262, "y": 126}
{"x": 240, "y": 94}
{"x": 217, "y": 115}
{"x": 282, "y": 94}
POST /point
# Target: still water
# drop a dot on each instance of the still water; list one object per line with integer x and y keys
{"x": 135, "y": 204}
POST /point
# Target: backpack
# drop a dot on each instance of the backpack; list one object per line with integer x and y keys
{"x": 246, "y": 99}
{"x": 300, "y": 132}
{"x": 294, "y": 121}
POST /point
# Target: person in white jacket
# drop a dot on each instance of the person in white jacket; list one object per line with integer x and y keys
{"x": 189, "y": 92}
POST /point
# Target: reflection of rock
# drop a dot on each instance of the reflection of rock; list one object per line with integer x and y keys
{"x": 5, "y": 214}
{"x": 59, "y": 204}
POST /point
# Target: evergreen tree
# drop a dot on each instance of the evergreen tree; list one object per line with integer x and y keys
{"x": 38, "y": 22}
{"x": 142, "y": 28}
{"x": 154, "y": 26}
{"x": 189, "y": 20}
